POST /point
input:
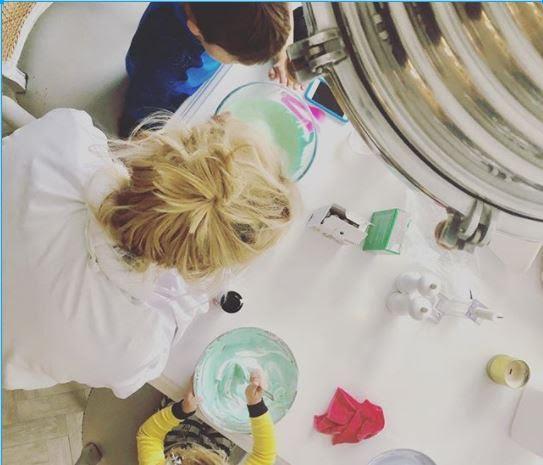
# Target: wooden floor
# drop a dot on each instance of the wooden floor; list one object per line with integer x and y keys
{"x": 43, "y": 427}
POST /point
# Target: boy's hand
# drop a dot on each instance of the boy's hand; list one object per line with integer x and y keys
{"x": 190, "y": 401}
{"x": 254, "y": 391}
{"x": 282, "y": 72}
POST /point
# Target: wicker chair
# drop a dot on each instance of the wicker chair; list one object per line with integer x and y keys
{"x": 18, "y": 19}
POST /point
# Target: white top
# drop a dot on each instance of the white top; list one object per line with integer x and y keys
{"x": 73, "y": 310}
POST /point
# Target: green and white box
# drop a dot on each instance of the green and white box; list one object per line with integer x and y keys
{"x": 387, "y": 231}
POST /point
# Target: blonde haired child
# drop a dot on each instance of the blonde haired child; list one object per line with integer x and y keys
{"x": 199, "y": 200}
{"x": 105, "y": 241}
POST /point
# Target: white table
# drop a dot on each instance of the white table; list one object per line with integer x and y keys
{"x": 327, "y": 303}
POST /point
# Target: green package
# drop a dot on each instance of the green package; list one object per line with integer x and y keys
{"x": 386, "y": 231}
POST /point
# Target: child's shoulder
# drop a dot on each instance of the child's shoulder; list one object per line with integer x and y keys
{"x": 163, "y": 34}
{"x": 169, "y": 17}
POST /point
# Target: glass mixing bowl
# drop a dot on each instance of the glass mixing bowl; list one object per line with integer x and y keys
{"x": 223, "y": 373}
{"x": 282, "y": 115}
{"x": 402, "y": 457}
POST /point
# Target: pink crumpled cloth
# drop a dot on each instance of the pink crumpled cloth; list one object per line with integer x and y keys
{"x": 348, "y": 420}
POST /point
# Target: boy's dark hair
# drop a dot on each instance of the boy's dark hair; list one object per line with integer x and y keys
{"x": 253, "y": 32}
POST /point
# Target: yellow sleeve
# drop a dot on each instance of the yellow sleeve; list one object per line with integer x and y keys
{"x": 150, "y": 437}
{"x": 264, "y": 448}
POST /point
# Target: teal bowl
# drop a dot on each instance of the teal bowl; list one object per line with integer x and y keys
{"x": 281, "y": 114}
{"x": 222, "y": 373}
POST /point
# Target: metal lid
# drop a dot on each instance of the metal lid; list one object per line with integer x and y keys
{"x": 450, "y": 94}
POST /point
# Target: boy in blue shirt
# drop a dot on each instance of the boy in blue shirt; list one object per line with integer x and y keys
{"x": 179, "y": 46}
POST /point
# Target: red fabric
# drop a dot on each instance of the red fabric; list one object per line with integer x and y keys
{"x": 348, "y": 420}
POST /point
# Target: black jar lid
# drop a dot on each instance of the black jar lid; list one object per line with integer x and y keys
{"x": 231, "y": 302}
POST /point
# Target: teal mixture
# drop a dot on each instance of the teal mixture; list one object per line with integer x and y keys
{"x": 283, "y": 128}
{"x": 224, "y": 370}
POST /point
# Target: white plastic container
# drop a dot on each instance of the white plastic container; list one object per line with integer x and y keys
{"x": 398, "y": 303}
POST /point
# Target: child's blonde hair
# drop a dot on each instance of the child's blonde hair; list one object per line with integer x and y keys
{"x": 196, "y": 455}
{"x": 199, "y": 200}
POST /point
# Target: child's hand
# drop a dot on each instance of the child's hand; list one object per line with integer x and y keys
{"x": 190, "y": 401}
{"x": 254, "y": 391}
{"x": 282, "y": 72}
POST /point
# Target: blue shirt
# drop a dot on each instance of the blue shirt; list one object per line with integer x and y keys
{"x": 165, "y": 64}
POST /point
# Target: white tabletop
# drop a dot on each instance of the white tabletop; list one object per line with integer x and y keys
{"x": 328, "y": 303}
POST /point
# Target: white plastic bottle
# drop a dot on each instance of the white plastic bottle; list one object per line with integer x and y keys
{"x": 398, "y": 303}
{"x": 429, "y": 285}
{"x": 408, "y": 282}
{"x": 426, "y": 284}
{"x": 420, "y": 308}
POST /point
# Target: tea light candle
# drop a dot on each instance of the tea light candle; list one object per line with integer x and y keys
{"x": 506, "y": 370}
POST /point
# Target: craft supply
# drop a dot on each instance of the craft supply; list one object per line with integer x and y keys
{"x": 420, "y": 296}
{"x": 472, "y": 310}
{"x": 348, "y": 420}
{"x": 335, "y": 222}
{"x": 429, "y": 285}
{"x": 231, "y": 302}
{"x": 506, "y": 370}
{"x": 386, "y": 231}
{"x": 225, "y": 366}
{"x": 527, "y": 425}
{"x": 402, "y": 457}
{"x": 408, "y": 282}
{"x": 281, "y": 116}
{"x": 278, "y": 123}
{"x": 426, "y": 284}
{"x": 414, "y": 305}
{"x": 398, "y": 303}
{"x": 420, "y": 308}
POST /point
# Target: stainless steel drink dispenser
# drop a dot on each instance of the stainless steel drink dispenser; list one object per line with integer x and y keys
{"x": 450, "y": 95}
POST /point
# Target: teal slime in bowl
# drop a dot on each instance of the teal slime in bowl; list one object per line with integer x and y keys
{"x": 224, "y": 370}
{"x": 280, "y": 115}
